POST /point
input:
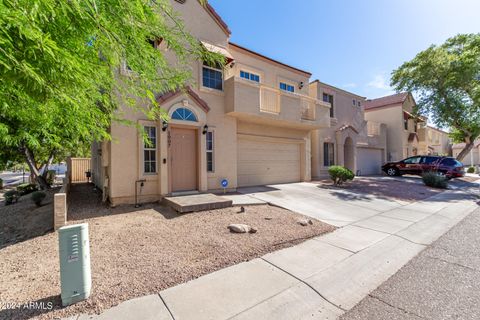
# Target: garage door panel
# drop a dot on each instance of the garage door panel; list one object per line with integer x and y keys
{"x": 262, "y": 162}
{"x": 369, "y": 161}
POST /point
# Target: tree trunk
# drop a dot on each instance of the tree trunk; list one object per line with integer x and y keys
{"x": 30, "y": 159}
{"x": 47, "y": 164}
{"x": 468, "y": 147}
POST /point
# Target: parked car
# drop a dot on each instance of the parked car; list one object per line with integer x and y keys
{"x": 447, "y": 166}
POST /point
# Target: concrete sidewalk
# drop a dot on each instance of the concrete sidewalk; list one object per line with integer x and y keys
{"x": 318, "y": 279}
{"x": 442, "y": 282}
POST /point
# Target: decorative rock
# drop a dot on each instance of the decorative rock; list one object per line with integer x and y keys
{"x": 241, "y": 228}
{"x": 305, "y": 222}
{"x": 242, "y": 210}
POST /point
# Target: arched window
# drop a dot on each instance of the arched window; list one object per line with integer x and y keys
{"x": 184, "y": 114}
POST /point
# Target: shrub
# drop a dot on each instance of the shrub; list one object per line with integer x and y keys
{"x": 1, "y": 183}
{"x": 26, "y": 188}
{"x": 340, "y": 174}
{"x": 433, "y": 179}
{"x": 471, "y": 170}
{"x": 11, "y": 197}
{"x": 37, "y": 197}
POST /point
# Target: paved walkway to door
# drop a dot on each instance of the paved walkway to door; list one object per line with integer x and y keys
{"x": 321, "y": 278}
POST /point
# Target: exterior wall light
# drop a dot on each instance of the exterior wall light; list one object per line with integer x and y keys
{"x": 205, "y": 129}
{"x": 164, "y": 125}
{"x": 300, "y": 85}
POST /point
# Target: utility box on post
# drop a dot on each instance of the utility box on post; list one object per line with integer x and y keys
{"x": 75, "y": 275}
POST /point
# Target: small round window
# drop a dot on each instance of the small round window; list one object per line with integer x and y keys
{"x": 184, "y": 114}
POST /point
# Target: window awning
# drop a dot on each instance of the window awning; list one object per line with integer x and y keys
{"x": 216, "y": 49}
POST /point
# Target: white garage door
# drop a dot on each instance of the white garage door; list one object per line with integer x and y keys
{"x": 369, "y": 161}
{"x": 261, "y": 162}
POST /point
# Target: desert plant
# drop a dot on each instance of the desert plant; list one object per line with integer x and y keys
{"x": 26, "y": 188}
{"x": 11, "y": 197}
{"x": 340, "y": 174}
{"x": 38, "y": 197}
{"x": 471, "y": 170}
{"x": 435, "y": 180}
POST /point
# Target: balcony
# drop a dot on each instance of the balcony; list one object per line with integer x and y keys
{"x": 266, "y": 105}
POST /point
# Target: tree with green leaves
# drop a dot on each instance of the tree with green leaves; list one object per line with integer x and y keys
{"x": 447, "y": 81}
{"x": 67, "y": 68}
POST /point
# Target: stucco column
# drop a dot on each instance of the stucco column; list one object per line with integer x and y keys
{"x": 307, "y": 161}
{"x": 315, "y": 154}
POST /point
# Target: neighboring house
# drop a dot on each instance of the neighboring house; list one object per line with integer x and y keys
{"x": 249, "y": 123}
{"x": 396, "y": 111}
{"x": 472, "y": 158}
{"x": 350, "y": 141}
{"x": 433, "y": 141}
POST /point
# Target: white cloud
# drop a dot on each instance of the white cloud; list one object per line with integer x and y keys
{"x": 380, "y": 81}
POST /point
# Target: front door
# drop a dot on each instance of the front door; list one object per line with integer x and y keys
{"x": 183, "y": 159}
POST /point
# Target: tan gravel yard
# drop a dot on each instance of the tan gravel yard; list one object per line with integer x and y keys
{"x": 134, "y": 253}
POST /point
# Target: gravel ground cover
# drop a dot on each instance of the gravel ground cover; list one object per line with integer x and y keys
{"x": 135, "y": 252}
{"x": 24, "y": 220}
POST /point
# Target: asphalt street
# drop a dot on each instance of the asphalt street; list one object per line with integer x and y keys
{"x": 442, "y": 282}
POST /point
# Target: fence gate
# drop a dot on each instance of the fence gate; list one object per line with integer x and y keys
{"x": 76, "y": 169}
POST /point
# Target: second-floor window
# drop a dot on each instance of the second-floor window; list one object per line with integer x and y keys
{"x": 150, "y": 150}
{"x": 329, "y": 98}
{"x": 249, "y": 76}
{"x": 286, "y": 87}
{"x": 212, "y": 77}
{"x": 405, "y": 121}
{"x": 328, "y": 154}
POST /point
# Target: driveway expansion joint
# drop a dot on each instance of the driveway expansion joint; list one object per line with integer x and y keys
{"x": 307, "y": 284}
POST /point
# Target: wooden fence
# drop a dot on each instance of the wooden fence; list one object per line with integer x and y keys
{"x": 76, "y": 168}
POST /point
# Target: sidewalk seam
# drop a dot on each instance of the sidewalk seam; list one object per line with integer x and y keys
{"x": 305, "y": 283}
{"x": 166, "y": 306}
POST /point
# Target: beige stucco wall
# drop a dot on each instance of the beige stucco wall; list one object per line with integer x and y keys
{"x": 348, "y": 122}
{"x": 122, "y": 158}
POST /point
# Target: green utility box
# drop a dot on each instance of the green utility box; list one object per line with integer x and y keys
{"x": 75, "y": 275}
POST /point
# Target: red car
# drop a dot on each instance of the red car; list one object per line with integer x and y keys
{"x": 449, "y": 167}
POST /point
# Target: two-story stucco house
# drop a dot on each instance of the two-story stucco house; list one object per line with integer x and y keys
{"x": 396, "y": 111}
{"x": 433, "y": 141}
{"x": 249, "y": 123}
{"x": 350, "y": 141}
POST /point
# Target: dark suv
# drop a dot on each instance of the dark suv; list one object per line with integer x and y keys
{"x": 449, "y": 167}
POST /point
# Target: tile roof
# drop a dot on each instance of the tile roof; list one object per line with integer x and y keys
{"x": 386, "y": 101}
{"x": 217, "y": 18}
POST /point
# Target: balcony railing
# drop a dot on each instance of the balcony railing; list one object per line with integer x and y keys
{"x": 258, "y": 100}
{"x": 269, "y": 100}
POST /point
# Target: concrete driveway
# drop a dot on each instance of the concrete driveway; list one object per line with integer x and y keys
{"x": 337, "y": 207}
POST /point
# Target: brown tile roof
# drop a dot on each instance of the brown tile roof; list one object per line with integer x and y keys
{"x": 217, "y": 18}
{"x": 187, "y": 90}
{"x": 386, "y": 101}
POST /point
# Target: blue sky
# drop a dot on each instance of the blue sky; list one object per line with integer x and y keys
{"x": 354, "y": 45}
